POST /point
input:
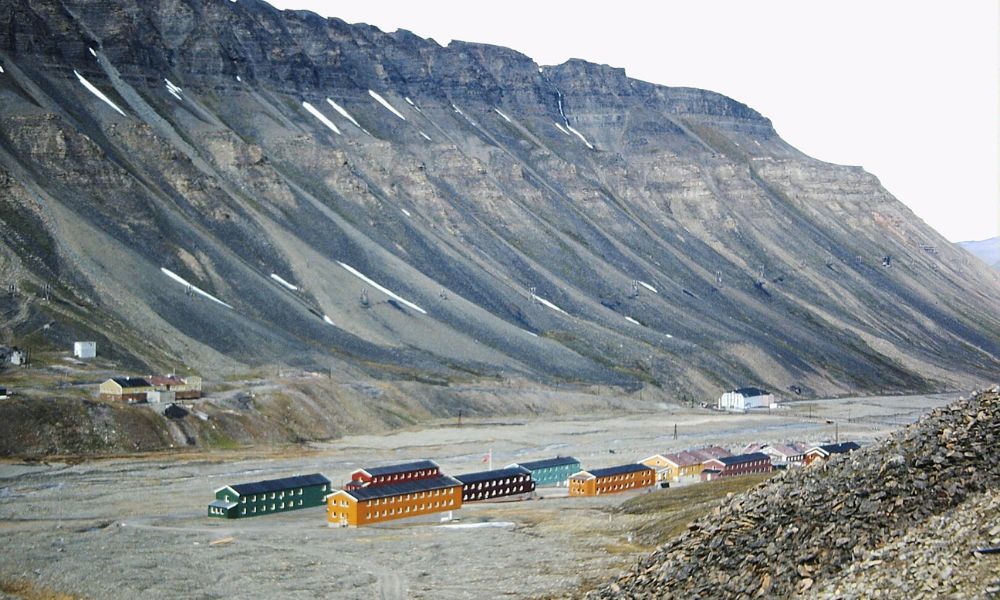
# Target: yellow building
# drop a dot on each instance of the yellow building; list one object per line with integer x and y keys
{"x": 128, "y": 389}
{"x": 376, "y": 504}
{"x": 612, "y": 480}
{"x": 688, "y": 463}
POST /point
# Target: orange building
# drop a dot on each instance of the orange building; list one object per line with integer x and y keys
{"x": 379, "y": 503}
{"x": 612, "y": 480}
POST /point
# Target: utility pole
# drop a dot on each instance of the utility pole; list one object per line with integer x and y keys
{"x": 675, "y": 431}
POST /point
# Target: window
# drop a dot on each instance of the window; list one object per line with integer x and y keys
{"x": 254, "y": 509}
{"x": 282, "y": 505}
{"x": 243, "y": 499}
{"x": 272, "y": 506}
{"x": 243, "y": 511}
{"x": 300, "y": 503}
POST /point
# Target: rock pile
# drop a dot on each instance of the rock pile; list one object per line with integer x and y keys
{"x": 797, "y": 533}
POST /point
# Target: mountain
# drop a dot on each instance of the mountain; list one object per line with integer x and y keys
{"x": 226, "y": 186}
{"x": 987, "y": 251}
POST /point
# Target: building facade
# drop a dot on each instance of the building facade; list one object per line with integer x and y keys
{"x": 125, "y": 389}
{"x": 613, "y": 480}
{"x": 84, "y": 349}
{"x": 186, "y": 388}
{"x": 734, "y": 466}
{"x": 498, "y": 483}
{"x": 389, "y": 502}
{"x": 687, "y": 463}
{"x": 551, "y": 471}
{"x": 393, "y": 474}
{"x": 269, "y": 497}
{"x": 745, "y": 398}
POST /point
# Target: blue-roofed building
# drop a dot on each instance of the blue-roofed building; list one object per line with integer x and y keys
{"x": 612, "y": 480}
{"x": 498, "y": 483}
{"x": 551, "y": 471}
{"x": 270, "y": 496}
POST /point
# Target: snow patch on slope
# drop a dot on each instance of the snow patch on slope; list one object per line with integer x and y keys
{"x": 279, "y": 279}
{"x": 545, "y": 302}
{"x": 560, "y": 128}
{"x": 343, "y": 112}
{"x": 386, "y": 104}
{"x": 505, "y": 117}
{"x": 631, "y": 320}
{"x": 380, "y": 288}
{"x": 314, "y": 112}
{"x": 424, "y": 135}
{"x": 93, "y": 90}
{"x": 648, "y": 287}
{"x": 328, "y": 321}
{"x": 194, "y": 289}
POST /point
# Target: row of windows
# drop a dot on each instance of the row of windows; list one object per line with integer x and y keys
{"x": 278, "y": 506}
{"x": 495, "y": 482}
{"x": 278, "y": 495}
{"x": 407, "y": 475}
{"x": 402, "y": 510}
{"x": 407, "y": 497}
{"x": 492, "y": 493}
{"x": 216, "y": 511}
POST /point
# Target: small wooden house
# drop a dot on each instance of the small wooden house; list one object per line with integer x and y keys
{"x": 269, "y": 497}
{"x": 125, "y": 389}
{"x": 414, "y": 497}
{"x": 613, "y": 480}
{"x": 550, "y": 471}
{"x": 498, "y": 483}
{"x": 392, "y": 474}
{"x": 823, "y": 452}
{"x": 187, "y": 388}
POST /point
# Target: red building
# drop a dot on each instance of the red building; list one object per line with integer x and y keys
{"x": 392, "y": 474}
{"x": 733, "y": 466}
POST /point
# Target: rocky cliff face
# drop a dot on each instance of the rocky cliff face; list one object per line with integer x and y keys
{"x": 224, "y": 185}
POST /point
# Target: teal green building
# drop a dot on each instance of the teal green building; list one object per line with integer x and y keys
{"x": 551, "y": 471}
{"x": 268, "y": 497}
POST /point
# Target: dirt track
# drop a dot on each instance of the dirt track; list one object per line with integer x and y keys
{"x": 129, "y": 528}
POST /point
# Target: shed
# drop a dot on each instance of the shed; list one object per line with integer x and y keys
{"x": 84, "y": 349}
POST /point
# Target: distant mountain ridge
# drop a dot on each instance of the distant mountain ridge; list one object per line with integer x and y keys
{"x": 223, "y": 185}
{"x": 987, "y": 250}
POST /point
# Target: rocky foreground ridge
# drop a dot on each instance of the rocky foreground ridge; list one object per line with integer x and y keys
{"x": 897, "y": 518}
{"x": 217, "y": 186}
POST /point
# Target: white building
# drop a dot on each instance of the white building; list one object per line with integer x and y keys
{"x": 18, "y": 357}
{"x": 85, "y": 349}
{"x": 746, "y": 398}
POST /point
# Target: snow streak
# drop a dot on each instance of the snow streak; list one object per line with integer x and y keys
{"x": 549, "y": 304}
{"x": 278, "y": 278}
{"x": 648, "y": 287}
{"x": 560, "y": 128}
{"x": 505, "y": 117}
{"x": 97, "y": 92}
{"x": 425, "y": 136}
{"x": 343, "y": 112}
{"x": 328, "y": 321}
{"x": 386, "y": 104}
{"x": 173, "y": 89}
{"x": 380, "y": 288}
{"x": 312, "y": 110}
{"x": 194, "y": 289}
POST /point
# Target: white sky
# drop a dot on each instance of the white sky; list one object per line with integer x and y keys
{"x": 910, "y": 90}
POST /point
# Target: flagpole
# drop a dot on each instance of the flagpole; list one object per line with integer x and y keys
{"x": 491, "y": 459}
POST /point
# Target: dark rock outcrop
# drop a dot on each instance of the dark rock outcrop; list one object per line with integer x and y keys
{"x": 798, "y": 533}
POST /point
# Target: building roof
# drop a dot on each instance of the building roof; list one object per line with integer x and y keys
{"x": 222, "y": 504}
{"x": 786, "y": 450}
{"x": 130, "y": 382}
{"x": 709, "y": 452}
{"x": 750, "y": 392}
{"x": 742, "y": 458}
{"x": 490, "y": 475}
{"x": 619, "y": 470}
{"x": 840, "y": 448}
{"x": 277, "y": 485}
{"x": 400, "y": 468}
{"x": 166, "y": 380}
{"x": 548, "y": 463}
{"x": 404, "y": 487}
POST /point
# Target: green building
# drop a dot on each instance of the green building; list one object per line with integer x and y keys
{"x": 271, "y": 496}
{"x": 551, "y": 471}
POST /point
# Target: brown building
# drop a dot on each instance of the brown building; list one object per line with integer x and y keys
{"x": 498, "y": 483}
{"x": 393, "y": 474}
{"x": 380, "y": 503}
{"x": 187, "y": 388}
{"x": 687, "y": 463}
{"x": 613, "y": 480}
{"x": 733, "y": 466}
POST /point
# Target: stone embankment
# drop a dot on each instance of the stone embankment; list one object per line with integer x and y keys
{"x": 899, "y": 517}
